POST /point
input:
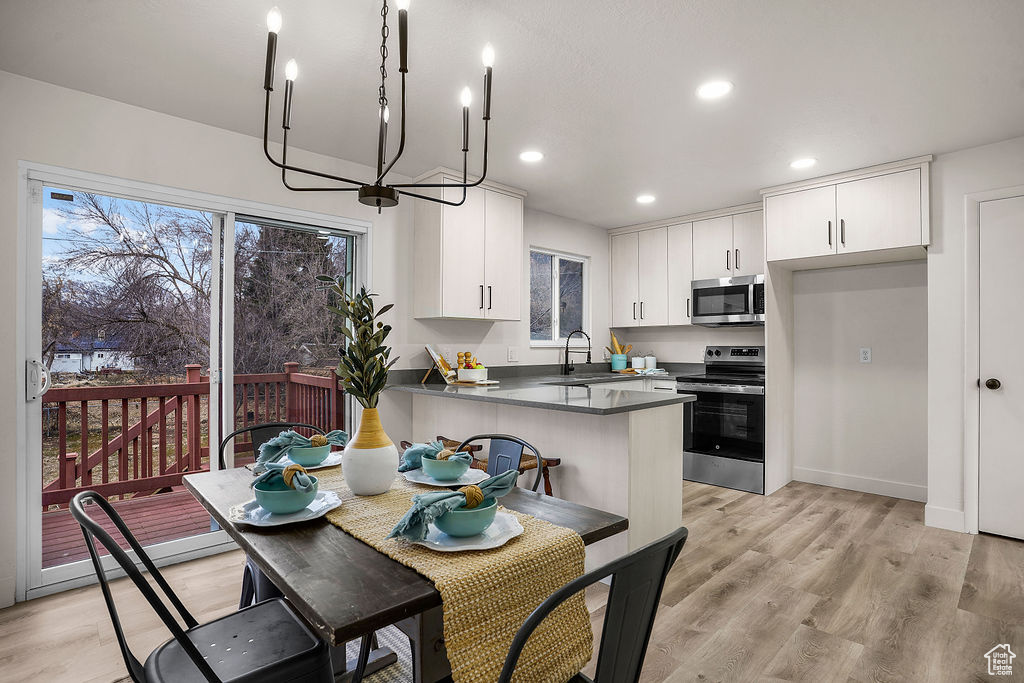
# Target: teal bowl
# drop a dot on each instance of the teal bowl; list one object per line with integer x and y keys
{"x": 309, "y": 457}
{"x": 461, "y": 522}
{"x": 444, "y": 470}
{"x": 278, "y": 499}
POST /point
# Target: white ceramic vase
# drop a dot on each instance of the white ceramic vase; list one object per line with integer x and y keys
{"x": 370, "y": 460}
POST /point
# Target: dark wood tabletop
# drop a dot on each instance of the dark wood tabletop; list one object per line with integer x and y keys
{"x": 342, "y": 586}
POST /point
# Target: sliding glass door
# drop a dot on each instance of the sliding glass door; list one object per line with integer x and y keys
{"x": 152, "y": 329}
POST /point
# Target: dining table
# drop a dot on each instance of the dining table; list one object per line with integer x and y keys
{"x": 345, "y": 588}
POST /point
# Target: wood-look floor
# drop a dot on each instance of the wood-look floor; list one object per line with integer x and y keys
{"x": 810, "y": 584}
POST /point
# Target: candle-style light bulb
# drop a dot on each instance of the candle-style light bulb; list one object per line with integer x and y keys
{"x": 387, "y": 113}
{"x": 466, "y": 97}
{"x": 291, "y": 70}
{"x": 402, "y": 5}
{"x": 274, "y": 20}
{"x": 488, "y": 55}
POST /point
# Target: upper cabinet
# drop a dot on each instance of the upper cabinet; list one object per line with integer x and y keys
{"x": 680, "y": 273}
{"x": 469, "y": 258}
{"x": 873, "y": 216}
{"x": 727, "y": 246}
{"x": 639, "y": 278}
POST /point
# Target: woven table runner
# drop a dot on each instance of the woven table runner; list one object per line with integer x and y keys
{"x": 486, "y": 595}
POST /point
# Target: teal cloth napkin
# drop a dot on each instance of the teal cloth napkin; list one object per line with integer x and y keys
{"x": 412, "y": 459}
{"x": 426, "y": 507}
{"x": 300, "y": 480}
{"x": 278, "y": 447}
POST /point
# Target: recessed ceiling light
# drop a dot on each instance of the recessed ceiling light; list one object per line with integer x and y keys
{"x": 324, "y": 232}
{"x": 531, "y": 156}
{"x": 712, "y": 90}
{"x": 644, "y": 198}
{"x": 806, "y": 162}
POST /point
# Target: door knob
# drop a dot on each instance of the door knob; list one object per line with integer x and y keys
{"x": 992, "y": 383}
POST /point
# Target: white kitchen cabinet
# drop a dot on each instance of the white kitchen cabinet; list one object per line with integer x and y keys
{"x": 653, "y": 277}
{"x": 879, "y": 213}
{"x": 712, "y": 248}
{"x": 801, "y": 224}
{"x": 680, "y": 273}
{"x": 503, "y": 247}
{"x": 748, "y": 243}
{"x": 625, "y": 279}
{"x": 865, "y": 219}
{"x": 728, "y": 246}
{"x": 469, "y": 258}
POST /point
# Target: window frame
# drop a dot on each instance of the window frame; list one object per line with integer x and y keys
{"x": 556, "y": 332}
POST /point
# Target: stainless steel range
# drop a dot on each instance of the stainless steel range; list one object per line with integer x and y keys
{"x": 723, "y": 430}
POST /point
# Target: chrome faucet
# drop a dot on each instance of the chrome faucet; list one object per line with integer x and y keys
{"x": 568, "y": 366}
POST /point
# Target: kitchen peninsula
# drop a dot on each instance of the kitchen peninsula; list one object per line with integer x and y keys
{"x": 620, "y": 441}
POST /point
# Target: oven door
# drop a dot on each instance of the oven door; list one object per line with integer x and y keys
{"x": 728, "y": 301}
{"x": 728, "y": 424}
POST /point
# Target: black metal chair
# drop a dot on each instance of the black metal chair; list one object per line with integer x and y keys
{"x": 637, "y": 581}
{"x": 505, "y": 453}
{"x": 264, "y": 642}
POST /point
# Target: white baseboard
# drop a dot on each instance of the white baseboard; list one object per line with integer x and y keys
{"x": 882, "y": 487}
{"x": 944, "y": 518}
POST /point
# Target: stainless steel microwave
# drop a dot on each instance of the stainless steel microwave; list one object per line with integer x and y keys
{"x": 728, "y": 301}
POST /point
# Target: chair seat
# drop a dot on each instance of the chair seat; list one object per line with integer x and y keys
{"x": 265, "y": 642}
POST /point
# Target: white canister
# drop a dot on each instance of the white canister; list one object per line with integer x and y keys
{"x": 638, "y": 362}
{"x": 650, "y": 362}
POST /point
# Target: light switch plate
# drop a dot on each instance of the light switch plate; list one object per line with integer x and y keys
{"x": 513, "y": 354}
{"x": 865, "y": 355}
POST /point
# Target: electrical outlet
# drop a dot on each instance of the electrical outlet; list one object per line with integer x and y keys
{"x": 865, "y": 355}
{"x": 513, "y": 354}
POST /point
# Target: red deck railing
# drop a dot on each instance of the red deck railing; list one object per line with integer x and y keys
{"x": 166, "y": 432}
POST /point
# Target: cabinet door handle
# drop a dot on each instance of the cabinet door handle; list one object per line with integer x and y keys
{"x": 687, "y": 307}
{"x": 481, "y": 296}
{"x": 830, "y": 233}
{"x": 490, "y": 298}
{"x": 842, "y": 231}
{"x": 727, "y": 260}
{"x": 641, "y": 310}
{"x": 634, "y": 310}
{"x": 736, "y": 260}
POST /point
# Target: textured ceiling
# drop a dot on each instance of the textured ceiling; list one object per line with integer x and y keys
{"x": 604, "y": 89}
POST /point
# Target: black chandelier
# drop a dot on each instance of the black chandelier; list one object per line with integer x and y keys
{"x": 377, "y": 192}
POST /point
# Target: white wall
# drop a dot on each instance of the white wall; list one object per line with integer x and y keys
{"x": 954, "y": 175}
{"x": 47, "y": 124}
{"x": 856, "y": 425}
{"x": 686, "y": 344}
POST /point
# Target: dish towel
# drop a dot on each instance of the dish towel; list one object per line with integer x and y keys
{"x": 426, "y": 507}
{"x": 278, "y": 447}
{"x": 412, "y": 459}
{"x": 293, "y": 476}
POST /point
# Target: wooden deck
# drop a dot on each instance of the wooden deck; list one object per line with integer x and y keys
{"x": 153, "y": 519}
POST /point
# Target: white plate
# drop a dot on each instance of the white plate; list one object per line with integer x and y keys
{"x": 470, "y": 476}
{"x": 252, "y": 513}
{"x": 330, "y": 461}
{"x": 504, "y": 528}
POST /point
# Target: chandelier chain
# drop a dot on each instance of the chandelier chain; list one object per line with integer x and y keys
{"x": 382, "y": 94}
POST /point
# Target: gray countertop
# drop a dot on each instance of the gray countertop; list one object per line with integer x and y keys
{"x": 558, "y": 393}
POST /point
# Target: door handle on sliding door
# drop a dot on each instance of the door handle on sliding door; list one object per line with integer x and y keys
{"x": 37, "y": 379}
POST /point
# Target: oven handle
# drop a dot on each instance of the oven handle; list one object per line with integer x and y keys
{"x": 693, "y": 388}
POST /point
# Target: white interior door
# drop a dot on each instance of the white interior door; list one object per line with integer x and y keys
{"x": 1001, "y": 458}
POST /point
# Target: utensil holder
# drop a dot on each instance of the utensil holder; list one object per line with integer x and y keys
{"x": 618, "y": 361}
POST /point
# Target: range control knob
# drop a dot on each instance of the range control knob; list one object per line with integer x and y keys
{"x": 717, "y": 352}
{"x": 709, "y": 352}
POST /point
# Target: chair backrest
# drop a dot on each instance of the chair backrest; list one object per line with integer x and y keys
{"x": 91, "y": 529}
{"x": 637, "y": 581}
{"x": 260, "y": 434}
{"x": 505, "y": 452}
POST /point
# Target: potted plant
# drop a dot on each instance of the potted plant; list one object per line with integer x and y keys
{"x": 370, "y": 460}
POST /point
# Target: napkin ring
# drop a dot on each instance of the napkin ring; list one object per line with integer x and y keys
{"x": 474, "y": 496}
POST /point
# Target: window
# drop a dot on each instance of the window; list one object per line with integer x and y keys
{"x": 558, "y": 296}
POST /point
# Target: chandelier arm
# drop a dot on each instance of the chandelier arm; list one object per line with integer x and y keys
{"x": 465, "y": 164}
{"x": 463, "y": 184}
{"x": 285, "y": 167}
{"x": 401, "y": 141}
